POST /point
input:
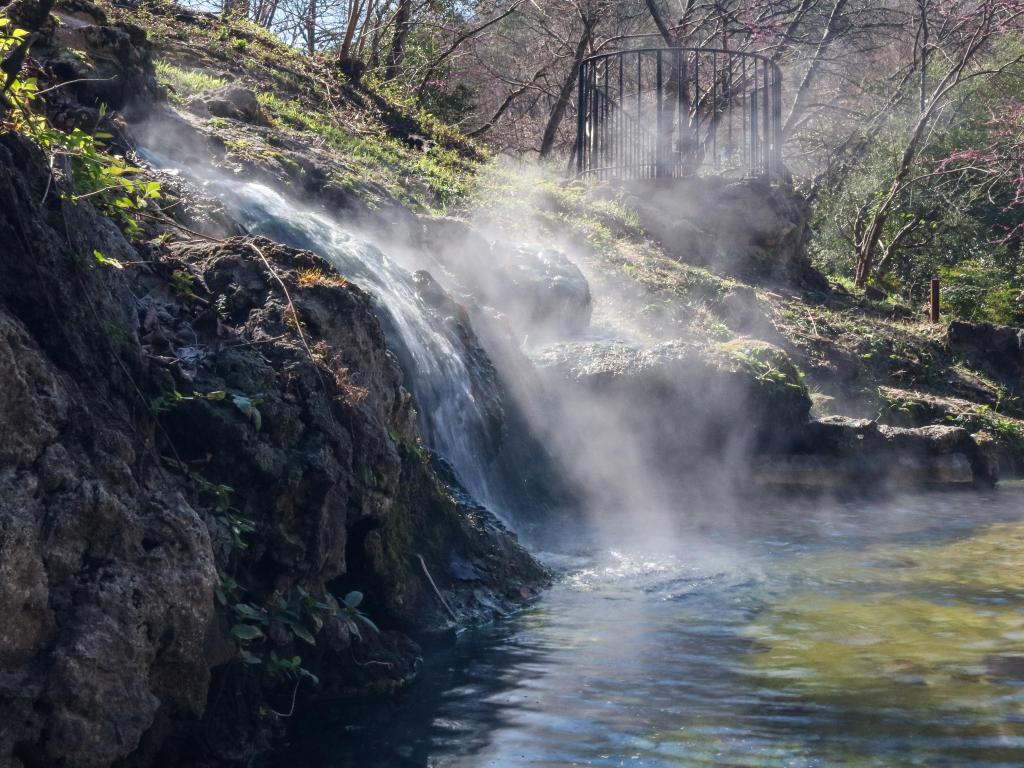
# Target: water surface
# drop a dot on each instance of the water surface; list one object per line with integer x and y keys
{"x": 860, "y": 634}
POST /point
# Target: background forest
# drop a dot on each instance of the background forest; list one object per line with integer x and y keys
{"x": 903, "y": 119}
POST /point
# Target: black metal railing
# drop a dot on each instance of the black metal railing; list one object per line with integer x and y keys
{"x": 671, "y": 112}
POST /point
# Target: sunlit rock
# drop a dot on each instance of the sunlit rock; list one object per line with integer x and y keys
{"x": 230, "y": 101}
{"x": 837, "y": 451}
{"x": 996, "y": 348}
{"x": 542, "y": 292}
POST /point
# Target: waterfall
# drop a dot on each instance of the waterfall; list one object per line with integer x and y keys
{"x": 452, "y": 419}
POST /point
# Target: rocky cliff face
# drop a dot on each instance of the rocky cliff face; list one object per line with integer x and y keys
{"x": 177, "y": 460}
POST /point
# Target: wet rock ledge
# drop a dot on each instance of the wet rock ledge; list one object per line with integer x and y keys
{"x": 190, "y": 488}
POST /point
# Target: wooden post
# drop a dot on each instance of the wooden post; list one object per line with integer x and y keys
{"x": 934, "y": 310}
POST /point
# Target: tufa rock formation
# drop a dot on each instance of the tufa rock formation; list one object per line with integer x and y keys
{"x": 167, "y": 435}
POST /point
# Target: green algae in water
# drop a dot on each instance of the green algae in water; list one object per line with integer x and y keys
{"x": 887, "y": 650}
{"x": 926, "y": 640}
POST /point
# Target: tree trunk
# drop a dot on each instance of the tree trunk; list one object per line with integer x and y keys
{"x": 311, "y": 13}
{"x": 831, "y": 30}
{"x": 868, "y": 245}
{"x": 361, "y": 39}
{"x": 565, "y": 94}
{"x": 377, "y": 35}
{"x": 403, "y": 23}
{"x": 511, "y": 97}
{"x": 355, "y": 10}
{"x": 663, "y": 30}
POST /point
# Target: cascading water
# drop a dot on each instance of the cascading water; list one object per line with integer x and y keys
{"x": 452, "y": 417}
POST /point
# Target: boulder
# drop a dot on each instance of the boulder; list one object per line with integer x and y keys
{"x": 838, "y": 451}
{"x": 110, "y": 62}
{"x": 742, "y": 311}
{"x": 230, "y": 101}
{"x": 999, "y": 349}
{"x": 747, "y": 228}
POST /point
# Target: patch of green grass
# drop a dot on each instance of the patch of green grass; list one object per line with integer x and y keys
{"x": 184, "y": 83}
{"x": 769, "y": 365}
{"x": 428, "y": 180}
{"x": 1009, "y": 430}
{"x": 899, "y": 407}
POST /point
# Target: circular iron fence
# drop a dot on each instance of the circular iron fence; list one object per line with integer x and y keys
{"x": 672, "y": 112}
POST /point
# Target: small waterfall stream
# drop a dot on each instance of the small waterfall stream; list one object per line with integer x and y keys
{"x": 452, "y": 418}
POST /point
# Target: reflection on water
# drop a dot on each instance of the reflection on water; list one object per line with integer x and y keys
{"x": 854, "y": 635}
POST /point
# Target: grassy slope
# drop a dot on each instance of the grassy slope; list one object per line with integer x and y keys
{"x": 368, "y": 128}
{"x": 860, "y": 357}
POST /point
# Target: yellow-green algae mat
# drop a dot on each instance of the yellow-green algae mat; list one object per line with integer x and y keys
{"x": 919, "y": 629}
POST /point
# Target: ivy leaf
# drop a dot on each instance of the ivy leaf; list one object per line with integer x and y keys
{"x": 246, "y": 632}
{"x": 106, "y": 261}
{"x": 369, "y": 622}
{"x": 120, "y": 170}
{"x": 247, "y": 611}
{"x": 302, "y": 633}
{"x": 248, "y": 407}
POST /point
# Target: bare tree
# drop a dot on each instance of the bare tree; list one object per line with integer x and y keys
{"x": 964, "y": 31}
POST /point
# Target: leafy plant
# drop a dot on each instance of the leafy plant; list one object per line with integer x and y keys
{"x": 102, "y": 178}
{"x": 247, "y": 405}
{"x": 182, "y": 282}
{"x": 288, "y": 668}
{"x": 352, "y": 616}
{"x": 302, "y": 617}
{"x": 107, "y": 262}
{"x": 237, "y": 527}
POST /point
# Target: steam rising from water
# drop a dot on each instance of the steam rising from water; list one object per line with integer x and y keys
{"x": 570, "y": 447}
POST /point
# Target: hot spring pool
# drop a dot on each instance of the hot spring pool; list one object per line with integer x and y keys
{"x": 848, "y": 634}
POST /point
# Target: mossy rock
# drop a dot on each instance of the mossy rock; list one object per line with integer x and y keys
{"x": 775, "y": 382}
